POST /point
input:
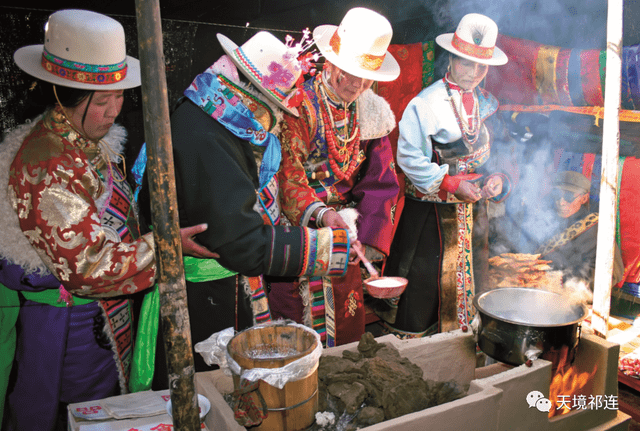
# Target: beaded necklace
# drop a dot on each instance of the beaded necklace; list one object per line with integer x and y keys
{"x": 349, "y": 147}
{"x": 471, "y": 133}
{"x": 354, "y": 118}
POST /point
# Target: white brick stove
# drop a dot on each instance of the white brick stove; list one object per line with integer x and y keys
{"x": 497, "y": 394}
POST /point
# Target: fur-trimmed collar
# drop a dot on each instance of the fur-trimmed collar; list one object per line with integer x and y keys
{"x": 14, "y": 245}
{"x": 376, "y": 117}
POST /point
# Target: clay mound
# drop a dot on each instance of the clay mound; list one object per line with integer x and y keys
{"x": 375, "y": 384}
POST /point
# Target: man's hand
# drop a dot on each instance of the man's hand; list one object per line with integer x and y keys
{"x": 190, "y": 247}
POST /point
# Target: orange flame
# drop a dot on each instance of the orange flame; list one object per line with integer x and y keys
{"x": 567, "y": 383}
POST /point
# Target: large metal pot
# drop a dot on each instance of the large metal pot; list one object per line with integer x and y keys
{"x": 520, "y": 324}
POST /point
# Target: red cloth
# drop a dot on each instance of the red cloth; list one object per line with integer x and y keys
{"x": 590, "y": 77}
{"x": 348, "y": 298}
{"x": 629, "y": 209}
{"x": 407, "y": 86}
{"x": 515, "y": 82}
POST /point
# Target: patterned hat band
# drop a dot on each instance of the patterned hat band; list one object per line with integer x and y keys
{"x": 366, "y": 61}
{"x": 268, "y": 82}
{"x": 471, "y": 49}
{"x": 84, "y": 73}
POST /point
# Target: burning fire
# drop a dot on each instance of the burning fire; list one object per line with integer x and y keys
{"x": 568, "y": 385}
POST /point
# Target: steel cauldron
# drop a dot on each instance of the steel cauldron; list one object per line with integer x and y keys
{"x": 520, "y": 324}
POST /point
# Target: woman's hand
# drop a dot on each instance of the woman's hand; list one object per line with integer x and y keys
{"x": 332, "y": 219}
{"x": 190, "y": 247}
{"x": 468, "y": 192}
{"x": 493, "y": 187}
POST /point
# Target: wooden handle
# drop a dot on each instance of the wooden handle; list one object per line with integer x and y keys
{"x": 372, "y": 271}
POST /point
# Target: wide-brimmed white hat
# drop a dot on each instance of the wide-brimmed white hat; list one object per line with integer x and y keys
{"x": 474, "y": 39}
{"x": 82, "y": 49}
{"x": 359, "y": 45}
{"x": 269, "y": 64}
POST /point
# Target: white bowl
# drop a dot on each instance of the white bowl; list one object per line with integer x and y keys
{"x": 203, "y": 403}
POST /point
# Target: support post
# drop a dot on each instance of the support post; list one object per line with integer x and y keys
{"x": 174, "y": 316}
{"x": 608, "y": 184}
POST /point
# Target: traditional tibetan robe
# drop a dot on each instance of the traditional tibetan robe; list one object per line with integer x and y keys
{"x": 320, "y": 170}
{"x": 226, "y": 158}
{"x": 70, "y": 247}
{"x": 433, "y": 244}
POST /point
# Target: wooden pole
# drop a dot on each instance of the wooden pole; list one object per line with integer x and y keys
{"x": 608, "y": 184}
{"x": 174, "y": 314}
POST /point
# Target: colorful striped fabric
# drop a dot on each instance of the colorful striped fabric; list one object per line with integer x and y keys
{"x": 544, "y": 74}
{"x": 259, "y": 303}
{"x": 119, "y": 321}
{"x": 318, "y": 320}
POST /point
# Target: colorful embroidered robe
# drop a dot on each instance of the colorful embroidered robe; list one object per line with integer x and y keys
{"x": 69, "y": 225}
{"x": 334, "y": 307}
{"x": 429, "y": 147}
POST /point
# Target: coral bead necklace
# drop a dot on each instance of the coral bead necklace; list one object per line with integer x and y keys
{"x": 470, "y": 133}
{"x": 349, "y": 146}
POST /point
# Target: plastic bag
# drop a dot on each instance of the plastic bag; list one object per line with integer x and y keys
{"x": 214, "y": 351}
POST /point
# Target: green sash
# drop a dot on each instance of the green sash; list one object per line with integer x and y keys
{"x": 199, "y": 270}
{"x": 52, "y": 296}
{"x": 8, "y": 317}
{"x": 144, "y": 351}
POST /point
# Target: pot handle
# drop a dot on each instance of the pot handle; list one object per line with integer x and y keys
{"x": 532, "y": 354}
{"x": 475, "y": 326}
{"x": 575, "y": 350}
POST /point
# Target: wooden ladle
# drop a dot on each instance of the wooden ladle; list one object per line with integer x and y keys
{"x": 372, "y": 271}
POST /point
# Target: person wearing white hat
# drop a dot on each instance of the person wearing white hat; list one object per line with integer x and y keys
{"x": 226, "y": 155}
{"x": 337, "y": 156}
{"x": 443, "y": 148}
{"x": 69, "y": 242}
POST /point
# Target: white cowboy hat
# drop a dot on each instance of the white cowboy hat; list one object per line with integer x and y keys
{"x": 269, "y": 64}
{"x": 474, "y": 39}
{"x": 359, "y": 45}
{"x": 82, "y": 49}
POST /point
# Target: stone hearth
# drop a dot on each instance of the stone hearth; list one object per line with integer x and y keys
{"x": 496, "y": 397}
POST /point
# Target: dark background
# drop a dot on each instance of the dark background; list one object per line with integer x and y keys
{"x": 190, "y": 26}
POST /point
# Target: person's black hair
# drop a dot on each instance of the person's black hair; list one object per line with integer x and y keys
{"x": 41, "y": 97}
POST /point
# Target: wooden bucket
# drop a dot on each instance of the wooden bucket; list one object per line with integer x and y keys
{"x": 293, "y": 407}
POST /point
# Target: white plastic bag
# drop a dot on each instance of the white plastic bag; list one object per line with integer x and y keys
{"x": 214, "y": 351}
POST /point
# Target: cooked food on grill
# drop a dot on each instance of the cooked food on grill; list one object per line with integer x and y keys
{"x": 521, "y": 270}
